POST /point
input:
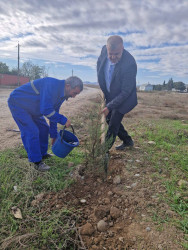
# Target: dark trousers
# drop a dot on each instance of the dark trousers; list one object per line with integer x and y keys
{"x": 115, "y": 128}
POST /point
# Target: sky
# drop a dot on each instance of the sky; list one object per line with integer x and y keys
{"x": 66, "y": 35}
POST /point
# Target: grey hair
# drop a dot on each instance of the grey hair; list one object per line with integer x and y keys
{"x": 114, "y": 41}
{"x": 74, "y": 82}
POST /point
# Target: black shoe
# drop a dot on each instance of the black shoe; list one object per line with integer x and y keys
{"x": 47, "y": 156}
{"x": 42, "y": 167}
{"x": 125, "y": 145}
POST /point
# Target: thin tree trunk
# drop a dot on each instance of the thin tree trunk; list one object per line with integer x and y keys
{"x": 102, "y": 120}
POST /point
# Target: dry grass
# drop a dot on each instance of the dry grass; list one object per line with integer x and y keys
{"x": 165, "y": 105}
{"x": 92, "y": 86}
{"x": 17, "y": 239}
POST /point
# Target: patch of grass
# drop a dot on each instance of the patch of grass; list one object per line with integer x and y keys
{"x": 169, "y": 155}
{"x": 49, "y": 230}
{"x": 19, "y": 184}
{"x": 159, "y": 219}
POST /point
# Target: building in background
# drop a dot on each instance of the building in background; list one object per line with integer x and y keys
{"x": 146, "y": 87}
{"x": 12, "y": 80}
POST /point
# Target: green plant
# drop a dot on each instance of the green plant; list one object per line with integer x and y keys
{"x": 19, "y": 184}
{"x": 95, "y": 151}
{"x": 169, "y": 155}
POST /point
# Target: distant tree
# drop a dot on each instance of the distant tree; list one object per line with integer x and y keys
{"x": 26, "y": 69}
{"x": 164, "y": 86}
{"x": 4, "y": 69}
{"x": 179, "y": 86}
{"x": 36, "y": 72}
{"x": 157, "y": 87}
{"x": 44, "y": 71}
{"x": 170, "y": 84}
{"x": 14, "y": 71}
{"x": 33, "y": 71}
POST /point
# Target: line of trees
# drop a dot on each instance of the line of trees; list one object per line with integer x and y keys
{"x": 27, "y": 69}
{"x": 170, "y": 85}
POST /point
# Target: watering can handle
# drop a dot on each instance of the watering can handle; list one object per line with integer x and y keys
{"x": 64, "y": 130}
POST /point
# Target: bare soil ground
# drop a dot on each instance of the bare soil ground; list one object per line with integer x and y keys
{"x": 157, "y": 105}
{"x": 127, "y": 199}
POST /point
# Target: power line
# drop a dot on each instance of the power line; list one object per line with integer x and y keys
{"x": 18, "y": 64}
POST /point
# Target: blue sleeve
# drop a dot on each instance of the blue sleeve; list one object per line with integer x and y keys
{"x": 58, "y": 118}
{"x": 49, "y": 94}
{"x": 53, "y": 126}
{"x": 53, "y": 129}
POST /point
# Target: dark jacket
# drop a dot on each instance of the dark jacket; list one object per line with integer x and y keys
{"x": 122, "y": 95}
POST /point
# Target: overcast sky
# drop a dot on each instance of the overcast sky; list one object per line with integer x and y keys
{"x": 65, "y": 35}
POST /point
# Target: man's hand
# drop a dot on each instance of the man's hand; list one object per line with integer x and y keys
{"x": 67, "y": 124}
{"x": 105, "y": 111}
{"x": 53, "y": 141}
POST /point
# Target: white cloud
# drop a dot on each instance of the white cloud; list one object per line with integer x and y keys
{"x": 74, "y": 31}
{"x": 171, "y": 59}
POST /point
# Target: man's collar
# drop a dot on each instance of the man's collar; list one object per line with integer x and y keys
{"x": 64, "y": 98}
{"x": 110, "y": 63}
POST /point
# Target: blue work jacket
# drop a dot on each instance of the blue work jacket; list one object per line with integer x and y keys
{"x": 42, "y": 97}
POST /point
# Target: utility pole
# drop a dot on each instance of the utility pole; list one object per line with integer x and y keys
{"x": 18, "y": 64}
{"x": 72, "y": 72}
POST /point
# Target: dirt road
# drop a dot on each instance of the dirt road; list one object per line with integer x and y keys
{"x": 10, "y": 139}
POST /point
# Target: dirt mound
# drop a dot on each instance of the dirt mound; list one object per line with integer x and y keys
{"x": 116, "y": 213}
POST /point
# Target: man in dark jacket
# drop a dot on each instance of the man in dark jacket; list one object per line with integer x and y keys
{"x": 116, "y": 70}
{"x": 32, "y": 101}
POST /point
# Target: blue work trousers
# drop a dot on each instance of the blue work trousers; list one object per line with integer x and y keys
{"x": 34, "y": 132}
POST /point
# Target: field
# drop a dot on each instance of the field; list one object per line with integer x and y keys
{"x": 141, "y": 204}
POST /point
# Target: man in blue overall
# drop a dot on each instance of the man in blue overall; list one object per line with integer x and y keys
{"x": 116, "y": 70}
{"x": 29, "y": 104}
